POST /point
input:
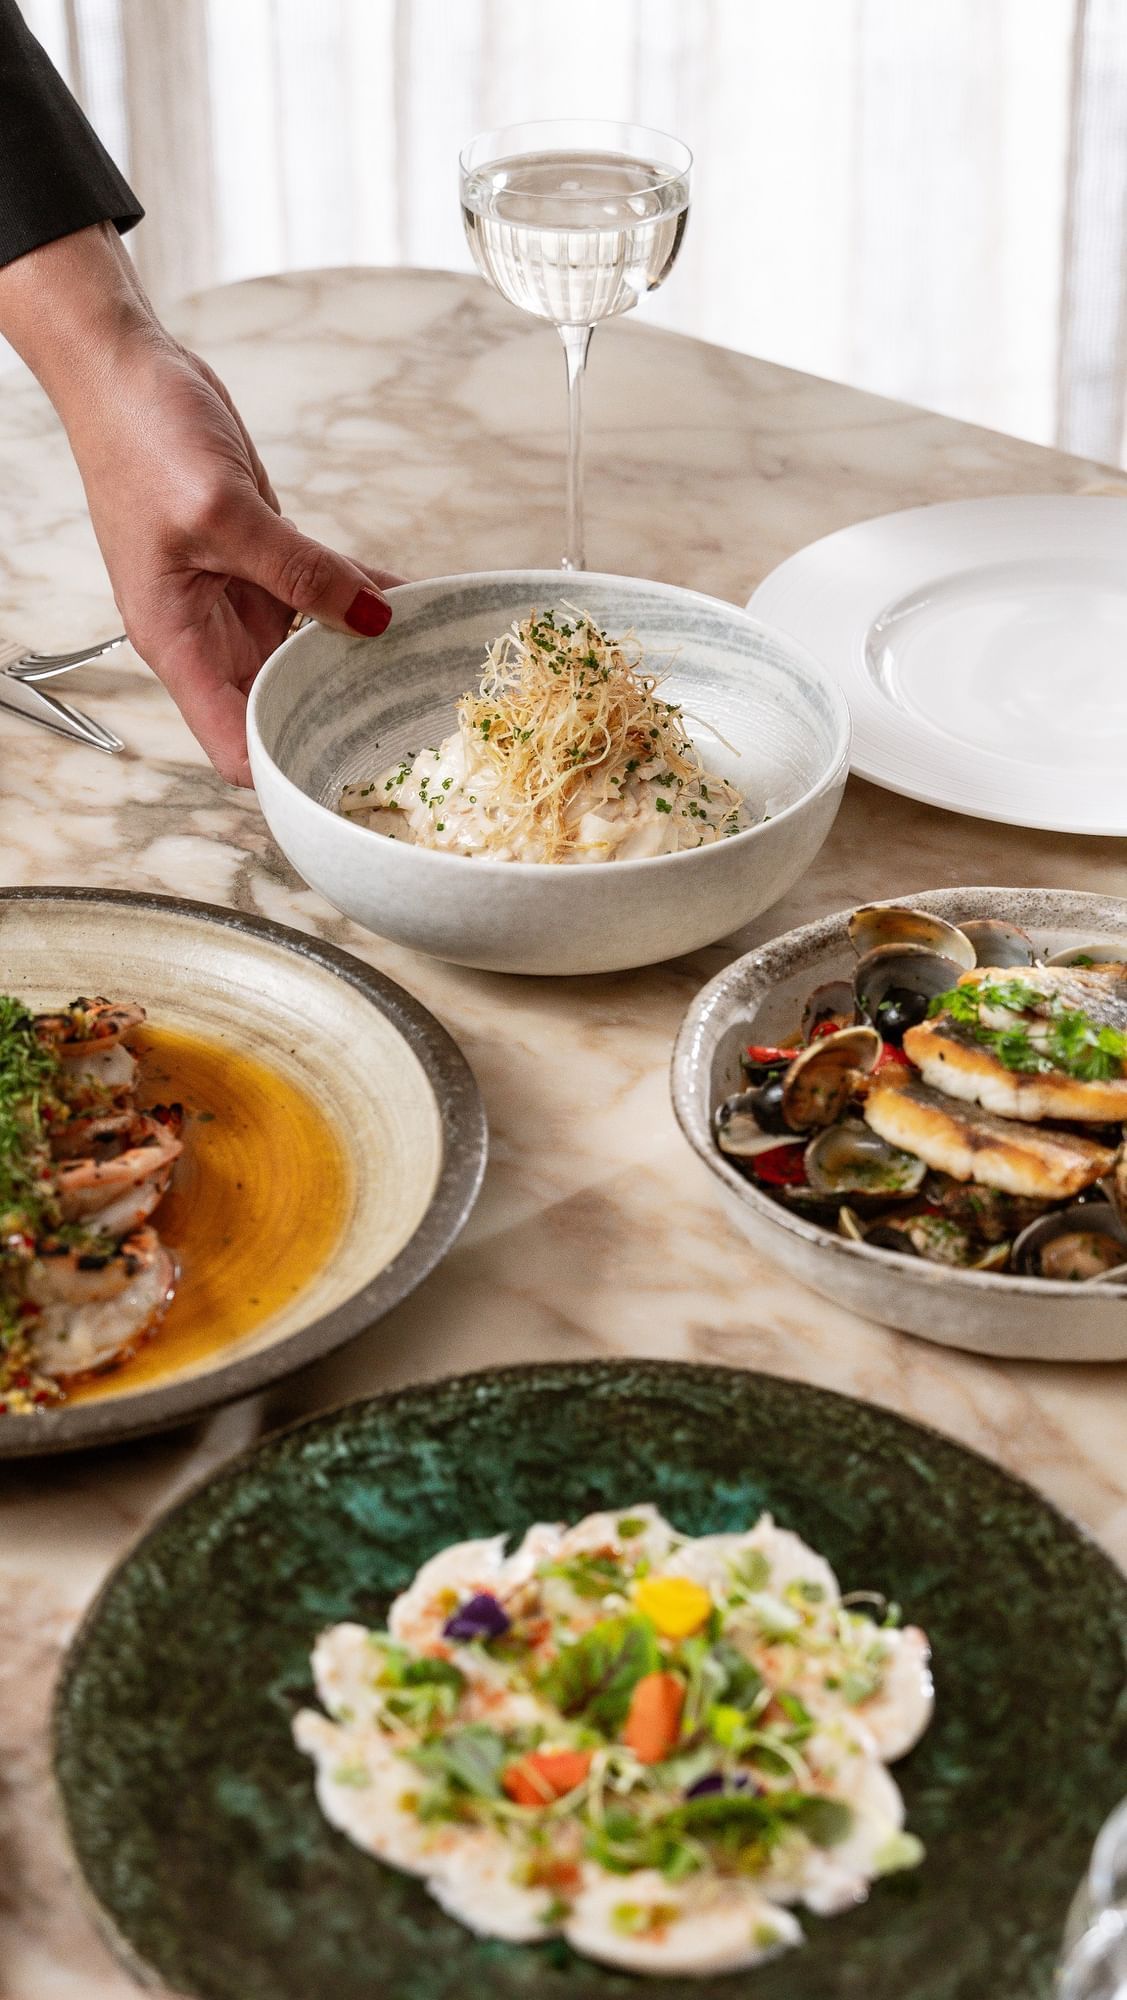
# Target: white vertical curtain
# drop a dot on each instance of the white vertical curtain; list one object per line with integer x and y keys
{"x": 924, "y": 197}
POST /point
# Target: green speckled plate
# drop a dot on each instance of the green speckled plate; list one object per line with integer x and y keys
{"x": 193, "y": 1817}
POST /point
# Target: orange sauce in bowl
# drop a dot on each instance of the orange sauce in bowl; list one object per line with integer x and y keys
{"x": 255, "y": 1210}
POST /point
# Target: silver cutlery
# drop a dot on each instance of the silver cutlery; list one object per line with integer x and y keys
{"x": 45, "y": 666}
{"x": 20, "y": 671}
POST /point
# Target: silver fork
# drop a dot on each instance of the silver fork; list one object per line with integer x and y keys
{"x": 45, "y": 666}
{"x": 21, "y": 670}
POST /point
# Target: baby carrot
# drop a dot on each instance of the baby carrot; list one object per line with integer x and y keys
{"x": 654, "y": 1717}
{"x": 544, "y": 1775}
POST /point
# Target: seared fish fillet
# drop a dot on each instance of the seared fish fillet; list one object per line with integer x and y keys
{"x": 972, "y": 1145}
{"x": 948, "y": 1056}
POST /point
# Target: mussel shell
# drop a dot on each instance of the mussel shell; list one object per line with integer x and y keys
{"x": 1091, "y": 954}
{"x": 877, "y": 924}
{"x": 820, "y": 1080}
{"x": 913, "y": 967}
{"x": 997, "y": 944}
{"x": 831, "y": 1002}
{"x": 850, "y": 1158}
{"x": 1090, "y": 1241}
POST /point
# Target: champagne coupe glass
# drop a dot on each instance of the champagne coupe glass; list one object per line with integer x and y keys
{"x": 572, "y": 219}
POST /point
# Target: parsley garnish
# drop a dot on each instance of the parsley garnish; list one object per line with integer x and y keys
{"x": 27, "y": 1072}
{"x": 1068, "y": 1039}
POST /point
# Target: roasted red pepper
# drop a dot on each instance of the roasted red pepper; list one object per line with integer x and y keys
{"x": 781, "y": 1166}
{"x": 890, "y": 1057}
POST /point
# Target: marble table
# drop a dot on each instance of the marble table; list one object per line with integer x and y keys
{"x": 413, "y": 419}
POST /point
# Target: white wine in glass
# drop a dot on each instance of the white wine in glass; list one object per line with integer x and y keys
{"x": 572, "y": 220}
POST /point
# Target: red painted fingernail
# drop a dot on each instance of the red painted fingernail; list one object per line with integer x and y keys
{"x": 368, "y": 614}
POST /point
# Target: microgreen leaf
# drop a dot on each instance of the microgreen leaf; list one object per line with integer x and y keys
{"x": 595, "y": 1677}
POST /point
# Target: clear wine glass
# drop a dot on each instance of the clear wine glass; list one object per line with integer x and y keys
{"x": 572, "y": 219}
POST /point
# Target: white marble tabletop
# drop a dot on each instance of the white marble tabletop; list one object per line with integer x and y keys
{"x": 414, "y": 419}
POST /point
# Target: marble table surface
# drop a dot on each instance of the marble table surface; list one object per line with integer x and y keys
{"x": 413, "y": 419}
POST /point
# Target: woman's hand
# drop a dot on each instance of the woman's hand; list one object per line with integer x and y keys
{"x": 206, "y": 573}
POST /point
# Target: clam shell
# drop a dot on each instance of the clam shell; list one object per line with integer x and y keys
{"x": 822, "y": 1078}
{"x": 995, "y": 1258}
{"x": 832, "y": 1001}
{"x": 878, "y": 924}
{"x": 1116, "y": 1276}
{"x": 1116, "y": 1184}
{"x": 844, "y": 1159}
{"x": 1108, "y": 953}
{"x": 737, "y": 1131}
{"x": 998, "y": 944}
{"x": 1079, "y": 1244}
{"x": 915, "y": 967}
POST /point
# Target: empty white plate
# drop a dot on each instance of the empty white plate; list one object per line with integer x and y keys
{"x": 982, "y": 645}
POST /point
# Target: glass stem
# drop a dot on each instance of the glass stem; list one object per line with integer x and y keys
{"x": 576, "y": 341}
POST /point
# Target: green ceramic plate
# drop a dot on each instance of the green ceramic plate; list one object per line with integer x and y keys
{"x": 193, "y": 1818}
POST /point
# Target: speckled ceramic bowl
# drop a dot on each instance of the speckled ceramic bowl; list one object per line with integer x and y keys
{"x": 327, "y": 710}
{"x": 393, "y": 1088}
{"x": 1033, "y": 1318}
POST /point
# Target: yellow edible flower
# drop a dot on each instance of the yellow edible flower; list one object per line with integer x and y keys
{"x": 677, "y": 1605}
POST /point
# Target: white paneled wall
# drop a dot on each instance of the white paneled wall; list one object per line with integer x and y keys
{"x": 924, "y": 197}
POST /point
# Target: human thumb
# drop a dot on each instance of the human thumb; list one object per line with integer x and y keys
{"x": 309, "y": 577}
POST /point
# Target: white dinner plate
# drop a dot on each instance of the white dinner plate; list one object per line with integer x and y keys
{"x": 982, "y": 646}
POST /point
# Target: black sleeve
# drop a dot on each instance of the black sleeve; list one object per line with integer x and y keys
{"x": 55, "y": 174}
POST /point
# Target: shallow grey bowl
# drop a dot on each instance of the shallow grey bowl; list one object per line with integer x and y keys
{"x": 1032, "y": 1318}
{"x": 326, "y": 710}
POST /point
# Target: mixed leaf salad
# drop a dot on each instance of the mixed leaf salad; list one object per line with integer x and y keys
{"x": 651, "y": 1744}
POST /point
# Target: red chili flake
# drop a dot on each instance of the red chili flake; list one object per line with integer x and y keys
{"x": 27, "y": 1310}
{"x": 3, "y": 1409}
{"x": 761, "y": 1052}
{"x": 22, "y": 1380}
{"x": 781, "y": 1166}
{"x": 891, "y": 1057}
{"x": 42, "y": 1396}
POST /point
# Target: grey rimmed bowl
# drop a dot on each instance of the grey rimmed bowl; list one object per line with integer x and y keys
{"x": 1028, "y": 1318}
{"x": 326, "y": 710}
{"x": 392, "y": 1085}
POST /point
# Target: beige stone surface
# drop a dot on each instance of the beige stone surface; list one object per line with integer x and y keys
{"x": 414, "y": 419}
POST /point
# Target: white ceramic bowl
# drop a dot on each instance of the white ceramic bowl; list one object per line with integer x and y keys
{"x": 326, "y": 710}
{"x": 989, "y": 1313}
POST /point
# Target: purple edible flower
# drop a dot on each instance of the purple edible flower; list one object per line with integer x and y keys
{"x": 480, "y": 1617}
{"x": 715, "y": 1781}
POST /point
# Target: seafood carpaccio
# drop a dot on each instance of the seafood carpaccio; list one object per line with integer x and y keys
{"x": 654, "y": 1745}
{"x": 959, "y": 1098}
{"x": 84, "y": 1276}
